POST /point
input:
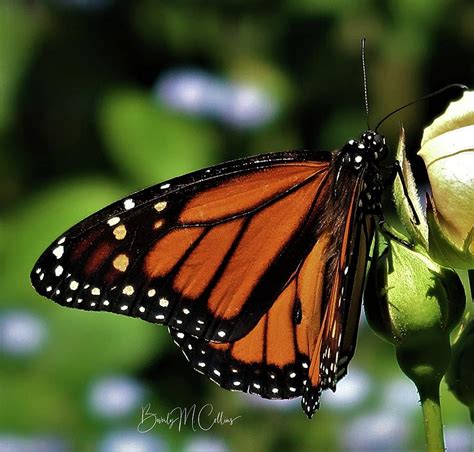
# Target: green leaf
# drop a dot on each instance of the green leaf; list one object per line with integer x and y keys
{"x": 19, "y": 32}
{"x": 151, "y": 143}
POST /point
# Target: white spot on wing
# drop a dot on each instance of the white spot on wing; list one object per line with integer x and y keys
{"x": 113, "y": 221}
{"x": 164, "y": 302}
{"x": 128, "y": 290}
{"x": 58, "y": 251}
{"x": 74, "y": 285}
{"x": 159, "y": 206}
{"x": 129, "y": 204}
{"x": 58, "y": 270}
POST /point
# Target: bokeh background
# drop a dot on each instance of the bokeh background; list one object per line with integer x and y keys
{"x": 99, "y": 98}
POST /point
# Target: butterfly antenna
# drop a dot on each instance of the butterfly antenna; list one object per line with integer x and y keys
{"x": 427, "y": 96}
{"x": 364, "y": 76}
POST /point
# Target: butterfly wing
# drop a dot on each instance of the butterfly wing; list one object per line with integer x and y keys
{"x": 207, "y": 253}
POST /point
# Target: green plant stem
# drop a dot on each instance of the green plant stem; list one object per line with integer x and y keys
{"x": 433, "y": 423}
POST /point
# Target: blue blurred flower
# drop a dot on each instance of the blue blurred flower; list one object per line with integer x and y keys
{"x": 11, "y": 443}
{"x": 379, "y": 431}
{"x": 132, "y": 441}
{"x": 205, "y": 444}
{"x": 351, "y": 391}
{"x": 115, "y": 396}
{"x": 400, "y": 396}
{"x": 246, "y": 107}
{"x": 197, "y": 92}
{"x": 459, "y": 439}
{"x": 21, "y": 333}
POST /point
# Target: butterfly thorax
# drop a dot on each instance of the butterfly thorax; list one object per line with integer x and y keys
{"x": 363, "y": 156}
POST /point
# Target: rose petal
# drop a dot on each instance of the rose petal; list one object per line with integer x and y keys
{"x": 457, "y": 115}
{"x": 449, "y": 159}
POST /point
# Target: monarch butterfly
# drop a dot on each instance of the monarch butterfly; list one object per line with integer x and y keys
{"x": 257, "y": 265}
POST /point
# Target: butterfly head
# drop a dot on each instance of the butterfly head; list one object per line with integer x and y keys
{"x": 370, "y": 147}
{"x": 375, "y": 143}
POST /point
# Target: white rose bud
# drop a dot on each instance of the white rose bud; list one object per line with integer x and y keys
{"x": 447, "y": 149}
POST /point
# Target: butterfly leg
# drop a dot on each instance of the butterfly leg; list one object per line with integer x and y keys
{"x": 384, "y": 228}
{"x": 397, "y": 171}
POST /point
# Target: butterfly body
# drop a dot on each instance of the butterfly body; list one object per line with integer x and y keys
{"x": 257, "y": 265}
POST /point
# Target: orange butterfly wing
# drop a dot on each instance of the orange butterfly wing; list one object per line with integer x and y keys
{"x": 207, "y": 253}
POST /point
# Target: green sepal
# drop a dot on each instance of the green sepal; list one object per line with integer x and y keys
{"x": 460, "y": 375}
{"x": 443, "y": 250}
{"x": 417, "y": 233}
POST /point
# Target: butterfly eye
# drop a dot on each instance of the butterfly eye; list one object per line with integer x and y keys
{"x": 383, "y": 151}
{"x": 378, "y": 141}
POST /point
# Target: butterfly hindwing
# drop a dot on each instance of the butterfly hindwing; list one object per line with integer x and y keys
{"x": 267, "y": 361}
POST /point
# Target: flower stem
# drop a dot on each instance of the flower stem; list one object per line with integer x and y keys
{"x": 430, "y": 405}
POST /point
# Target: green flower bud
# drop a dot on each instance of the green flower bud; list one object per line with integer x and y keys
{"x": 460, "y": 375}
{"x": 414, "y": 304}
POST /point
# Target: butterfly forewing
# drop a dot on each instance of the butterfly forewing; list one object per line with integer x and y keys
{"x": 206, "y": 253}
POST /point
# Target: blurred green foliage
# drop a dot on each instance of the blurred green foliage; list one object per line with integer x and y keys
{"x": 148, "y": 141}
{"x": 80, "y": 126}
